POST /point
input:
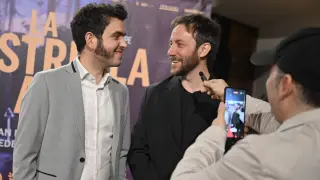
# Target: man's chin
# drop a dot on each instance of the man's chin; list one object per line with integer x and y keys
{"x": 115, "y": 64}
{"x": 178, "y": 73}
{"x": 174, "y": 73}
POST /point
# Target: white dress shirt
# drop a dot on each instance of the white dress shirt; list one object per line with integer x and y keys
{"x": 99, "y": 120}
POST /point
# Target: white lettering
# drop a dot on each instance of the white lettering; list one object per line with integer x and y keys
{"x": 169, "y": 8}
{"x": 5, "y": 132}
{"x": 127, "y": 39}
{"x": 7, "y": 143}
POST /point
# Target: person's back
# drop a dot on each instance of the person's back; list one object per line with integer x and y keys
{"x": 290, "y": 153}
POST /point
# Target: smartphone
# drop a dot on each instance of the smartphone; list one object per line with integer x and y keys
{"x": 235, "y": 102}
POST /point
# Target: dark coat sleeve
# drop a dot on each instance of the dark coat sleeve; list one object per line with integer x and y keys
{"x": 139, "y": 155}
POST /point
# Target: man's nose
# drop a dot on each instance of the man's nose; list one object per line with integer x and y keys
{"x": 171, "y": 51}
{"x": 123, "y": 43}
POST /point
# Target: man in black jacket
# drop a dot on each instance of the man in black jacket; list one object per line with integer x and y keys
{"x": 174, "y": 112}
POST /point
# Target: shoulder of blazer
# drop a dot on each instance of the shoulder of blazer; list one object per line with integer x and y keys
{"x": 161, "y": 85}
{"x": 58, "y": 70}
{"x": 114, "y": 80}
{"x": 154, "y": 90}
{"x": 118, "y": 85}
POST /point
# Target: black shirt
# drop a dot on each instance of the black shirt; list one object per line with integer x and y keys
{"x": 198, "y": 112}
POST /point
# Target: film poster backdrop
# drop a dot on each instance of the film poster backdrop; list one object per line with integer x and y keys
{"x": 35, "y": 36}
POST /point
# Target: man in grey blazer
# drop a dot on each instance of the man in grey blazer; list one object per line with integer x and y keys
{"x": 74, "y": 120}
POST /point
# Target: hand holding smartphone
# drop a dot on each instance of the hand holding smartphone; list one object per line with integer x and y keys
{"x": 235, "y": 103}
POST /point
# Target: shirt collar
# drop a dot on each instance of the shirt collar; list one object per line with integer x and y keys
{"x": 302, "y": 118}
{"x": 82, "y": 70}
{"x": 84, "y": 74}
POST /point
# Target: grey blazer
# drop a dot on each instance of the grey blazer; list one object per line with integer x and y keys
{"x": 51, "y": 129}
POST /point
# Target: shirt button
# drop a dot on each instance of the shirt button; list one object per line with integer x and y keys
{"x": 82, "y": 160}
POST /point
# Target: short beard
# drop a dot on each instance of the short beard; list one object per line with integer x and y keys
{"x": 101, "y": 51}
{"x": 188, "y": 64}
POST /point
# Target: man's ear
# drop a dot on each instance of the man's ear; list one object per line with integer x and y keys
{"x": 91, "y": 40}
{"x": 204, "y": 50}
{"x": 286, "y": 86}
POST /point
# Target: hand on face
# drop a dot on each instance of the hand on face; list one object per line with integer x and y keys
{"x": 214, "y": 88}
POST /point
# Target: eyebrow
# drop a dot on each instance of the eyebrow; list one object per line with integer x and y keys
{"x": 118, "y": 33}
{"x": 177, "y": 41}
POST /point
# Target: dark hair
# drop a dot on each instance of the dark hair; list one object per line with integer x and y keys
{"x": 203, "y": 30}
{"x": 306, "y": 95}
{"x": 94, "y": 18}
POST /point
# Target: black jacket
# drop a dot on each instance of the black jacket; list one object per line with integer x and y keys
{"x": 160, "y": 137}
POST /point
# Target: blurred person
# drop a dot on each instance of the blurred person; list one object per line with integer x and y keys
{"x": 227, "y": 114}
{"x": 289, "y": 153}
{"x": 174, "y": 112}
{"x": 237, "y": 119}
{"x": 74, "y": 121}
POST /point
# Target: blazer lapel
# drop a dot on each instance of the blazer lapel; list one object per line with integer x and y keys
{"x": 116, "y": 130}
{"x": 114, "y": 94}
{"x": 75, "y": 92}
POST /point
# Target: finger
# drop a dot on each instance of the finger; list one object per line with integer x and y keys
{"x": 215, "y": 81}
{"x": 246, "y": 123}
{"x": 221, "y": 109}
{"x": 209, "y": 93}
{"x": 246, "y": 129}
{"x": 203, "y": 89}
{"x": 215, "y": 97}
{"x": 207, "y": 84}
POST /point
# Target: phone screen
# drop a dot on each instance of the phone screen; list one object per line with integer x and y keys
{"x": 235, "y": 102}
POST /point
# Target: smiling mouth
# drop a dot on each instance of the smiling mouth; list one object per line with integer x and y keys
{"x": 174, "y": 62}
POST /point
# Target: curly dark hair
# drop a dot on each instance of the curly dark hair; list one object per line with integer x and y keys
{"x": 94, "y": 18}
{"x": 204, "y": 30}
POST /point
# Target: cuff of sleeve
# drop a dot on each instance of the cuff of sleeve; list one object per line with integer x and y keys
{"x": 216, "y": 135}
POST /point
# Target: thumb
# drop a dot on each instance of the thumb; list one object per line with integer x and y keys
{"x": 207, "y": 84}
{"x": 220, "y": 117}
{"x": 221, "y": 110}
